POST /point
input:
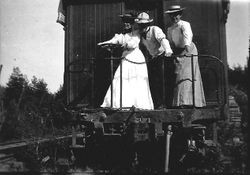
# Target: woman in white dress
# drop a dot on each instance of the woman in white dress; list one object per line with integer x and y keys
{"x": 180, "y": 37}
{"x": 135, "y": 84}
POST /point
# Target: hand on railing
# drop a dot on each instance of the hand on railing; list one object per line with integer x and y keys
{"x": 109, "y": 46}
{"x": 188, "y": 55}
{"x": 168, "y": 54}
{"x": 102, "y": 43}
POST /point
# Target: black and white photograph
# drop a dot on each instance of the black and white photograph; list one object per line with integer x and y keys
{"x": 127, "y": 87}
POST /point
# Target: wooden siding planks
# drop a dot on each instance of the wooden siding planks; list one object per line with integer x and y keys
{"x": 87, "y": 24}
{"x": 90, "y": 22}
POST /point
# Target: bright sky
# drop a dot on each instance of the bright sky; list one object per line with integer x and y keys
{"x": 238, "y": 32}
{"x": 31, "y": 39}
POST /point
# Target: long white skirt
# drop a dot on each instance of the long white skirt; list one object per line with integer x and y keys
{"x": 135, "y": 84}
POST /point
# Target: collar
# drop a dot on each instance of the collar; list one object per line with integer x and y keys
{"x": 177, "y": 24}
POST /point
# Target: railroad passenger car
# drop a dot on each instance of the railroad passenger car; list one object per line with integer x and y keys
{"x": 88, "y": 73}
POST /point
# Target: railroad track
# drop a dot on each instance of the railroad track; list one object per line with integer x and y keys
{"x": 4, "y": 146}
{"x": 12, "y": 144}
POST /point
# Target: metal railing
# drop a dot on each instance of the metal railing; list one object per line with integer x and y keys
{"x": 112, "y": 59}
{"x": 212, "y": 58}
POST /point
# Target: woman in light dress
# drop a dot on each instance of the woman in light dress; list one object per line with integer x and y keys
{"x": 135, "y": 84}
{"x": 180, "y": 37}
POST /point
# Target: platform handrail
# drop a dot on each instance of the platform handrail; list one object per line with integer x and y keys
{"x": 112, "y": 59}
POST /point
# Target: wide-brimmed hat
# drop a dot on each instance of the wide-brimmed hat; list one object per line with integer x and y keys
{"x": 174, "y": 8}
{"x": 143, "y": 18}
{"x": 129, "y": 17}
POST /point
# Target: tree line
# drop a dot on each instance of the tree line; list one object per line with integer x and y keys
{"x": 29, "y": 110}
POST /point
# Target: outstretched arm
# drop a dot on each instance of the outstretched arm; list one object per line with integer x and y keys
{"x": 111, "y": 41}
{"x": 117, "y": 39}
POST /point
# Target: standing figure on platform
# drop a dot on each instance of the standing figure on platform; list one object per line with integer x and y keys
{"x": 155, "y": 41}
{"x": 180, "y": 37}
{"x": 135, "y": 85}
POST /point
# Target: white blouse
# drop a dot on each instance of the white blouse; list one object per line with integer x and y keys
{"x": 128, "y": 40}
{"x": 180, "y": 34}
{"x": 155, "y": 40}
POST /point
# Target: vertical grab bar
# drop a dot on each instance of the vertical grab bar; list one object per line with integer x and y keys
{"x": 111, "y": 75}
{"x": 167, "y": 148}
{"x": 121, "y": 84}
{"x": 163, "y": 82}
{"x": 193, "y": 80}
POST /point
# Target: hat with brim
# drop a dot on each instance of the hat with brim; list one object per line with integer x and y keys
{"x": 143, "y": 18}
{"x": 174, "y": 9}
{"x": 129, "y": 17}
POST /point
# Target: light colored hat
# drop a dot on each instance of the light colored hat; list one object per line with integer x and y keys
{"x": 174, "y": 8}
{"x": 143, "y": 18}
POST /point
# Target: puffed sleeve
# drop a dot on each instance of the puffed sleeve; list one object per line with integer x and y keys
{"x": 161, "y": 38}
{"x": 126, "y": 41}
{"x": 158, "y": 33}
{"x": 187, "y": 33}
{"x": 117, "y": 39}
